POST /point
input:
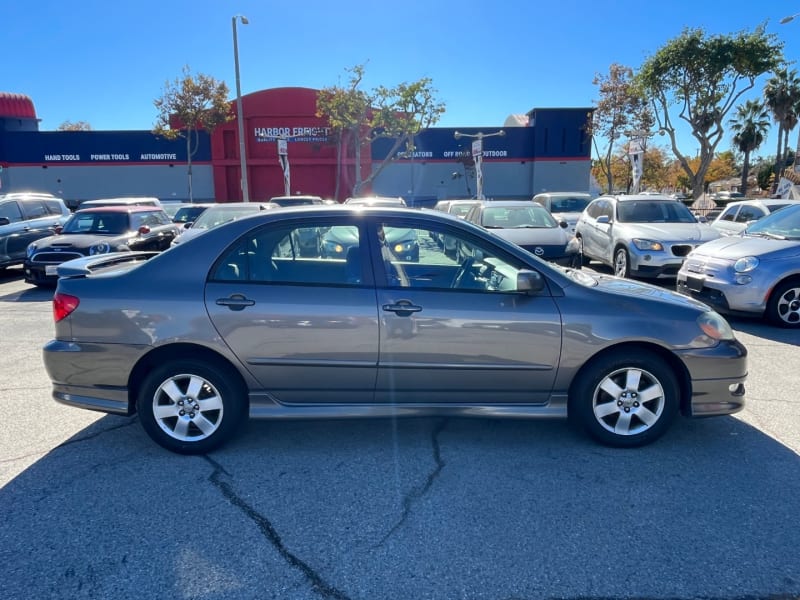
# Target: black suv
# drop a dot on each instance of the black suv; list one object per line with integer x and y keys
{"x": 24, "y": 218}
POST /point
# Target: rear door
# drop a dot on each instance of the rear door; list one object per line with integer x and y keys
{"x": 305, "y": 326}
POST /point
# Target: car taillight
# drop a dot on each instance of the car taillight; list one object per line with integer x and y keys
{"x": 63, "y": 305}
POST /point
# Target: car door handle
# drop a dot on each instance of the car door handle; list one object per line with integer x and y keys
{"x": 403, "y": 308}
{"x": 235, "y": 302}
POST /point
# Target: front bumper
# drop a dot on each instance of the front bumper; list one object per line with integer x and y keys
{"x": 717, "y": 378}
{"x": 714, "y": 286}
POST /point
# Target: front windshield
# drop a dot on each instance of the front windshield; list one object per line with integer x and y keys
{"x": 783, "y": 224}
{"x": 97, "y": 223}
{"x": 654, "y": 211}
{"x": 518, "y": 217}
{"x": 217, "y": 215}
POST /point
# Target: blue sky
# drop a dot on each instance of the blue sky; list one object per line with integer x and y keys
{"x": 105, "y": 62}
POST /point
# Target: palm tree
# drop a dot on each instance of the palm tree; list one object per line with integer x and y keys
{"x": 750, "y": 127}
{"x": 782, "y": 93}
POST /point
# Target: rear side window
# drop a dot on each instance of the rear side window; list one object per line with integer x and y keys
{"x": 34, "y": 209}
{"x": 10, "y": 210}
{"x": 54, "y": 207}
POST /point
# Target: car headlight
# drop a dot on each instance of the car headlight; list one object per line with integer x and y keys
{"x": 642, "y": 244}
{"x": 745, "y": 264}
{"x": 405, "y": 246}
{"x": 99, "y": 248}
{"x": 333, "y": 247}
{"x": 30, "y": 250}
{"x": 715, "y": 326}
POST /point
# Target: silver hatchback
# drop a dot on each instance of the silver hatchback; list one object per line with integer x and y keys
{"x": 238, "y": 323}
{"x": 756, "y": 273}
{"x": 640, "y": 235}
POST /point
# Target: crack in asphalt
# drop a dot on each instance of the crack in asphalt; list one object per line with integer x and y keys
{"x": 91, "y": 436}
{"x": 417, "y": 493}
{"x": 319, "y": 585}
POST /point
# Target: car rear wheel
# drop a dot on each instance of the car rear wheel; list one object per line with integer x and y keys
{"x": 783, "y": 308}
{"x": 625, "y": 399}
{"x": 191, "y": 406}
{"x": 622, "y": 267}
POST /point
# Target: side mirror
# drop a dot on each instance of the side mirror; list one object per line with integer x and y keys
{"x": 188, "y": 225}
{"x": 143, "y": 230}
{"x": 5, "y": 221}
{"x": 603, "y": 219}
{"x": 58, "y": 229}
{"x": 529, "y": 281}
{"x": 702, "y": 219}
{"x": 563, "y": 224}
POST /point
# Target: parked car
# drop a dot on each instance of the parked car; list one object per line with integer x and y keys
{"x": 754, "y": 274}
{"x": 171, "y": 207}
{"x": 296, "y": 200}
{"x": 376, "y": 201}
{"x": 458, "y": 207}
{"x": 218, "y": 214}
{"x": 564, "y": 206}
{"x": 225, "y": 326}
{"x": 125, "y": 201}
{"x": 24, "y": 218}
{"x": 725, "y": 196}
{"x": 188, "y": 212}
{"x": 530, "y": 226}
{"x": 93, "y": 231}
{"x": 640, "y": 236}
{"x": 738, "y": 215}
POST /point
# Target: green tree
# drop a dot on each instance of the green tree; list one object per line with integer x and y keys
{"x": 76, "y": 126}
{"x": 620, "y": 111}
{"x": 750, "y": 126}
{"x": 698, "y": 79}
{"x": 358, "y": 118}
{"x": 782, "y": 95}
{"x": 188, "y": 104}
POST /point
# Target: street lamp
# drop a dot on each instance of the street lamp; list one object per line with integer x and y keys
{"x": 239, "y": 115}
{"x": 785, "y": 20}
{"x": 477, "y": 154}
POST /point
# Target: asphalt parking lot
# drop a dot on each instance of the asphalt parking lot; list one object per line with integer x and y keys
{"x": 406, "y": 509}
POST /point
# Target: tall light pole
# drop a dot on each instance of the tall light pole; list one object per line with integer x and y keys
{"x": 796, "y": 169}
{"x": 477, "y": 155}
{"x": 239, "y": 114}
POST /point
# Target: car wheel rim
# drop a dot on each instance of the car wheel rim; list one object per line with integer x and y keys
{"x": 188, "y": 408}
{"x": 621, "y": 264}
{"x": 789, "y": 306}
{"x": 628, "y": 401}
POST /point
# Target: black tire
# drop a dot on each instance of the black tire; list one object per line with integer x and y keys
{"x": 783, "y": 308}
{"x": 218, "y": 406}
{"x": 606, "y": 399}
{"x": 622, "y": 263}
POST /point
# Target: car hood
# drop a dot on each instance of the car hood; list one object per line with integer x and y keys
{"x": 531, "y": 235}
{"x": 630, "y": 288}
{"x": 689, "y": 232}
{"x": 82, "y": 240}
{"x": 735, "y": 247}
{"x": 187, "y": 234}
{"x": 342, "y": 234}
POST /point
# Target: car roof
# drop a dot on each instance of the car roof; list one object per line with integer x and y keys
{"x": 763, "y": 201}
{"x": 640, "y": 197}
{"x": 488, "y": 203}
{"x": 583, "y": 194}
{"x": 120, "y": 208}
{"x": 126, "y": 200}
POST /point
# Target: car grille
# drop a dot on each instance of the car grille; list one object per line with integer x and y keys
{"x": 681, "y": 249}
{"x": 54, "y": 257}
{"x": 546, "y": 251}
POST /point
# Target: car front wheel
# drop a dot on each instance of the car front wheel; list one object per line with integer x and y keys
{"x": 783, "y": 308}
{"x": 190, "y": 406}
{"x": 626, "y": 399}
{"x": 622, "y": 267}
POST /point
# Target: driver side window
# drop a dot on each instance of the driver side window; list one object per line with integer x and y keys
{"x": 442, "y": 259}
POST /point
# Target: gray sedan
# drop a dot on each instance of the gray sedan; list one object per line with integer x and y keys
{"x": 640, "y": 235}
{"x": 756, "y": 273}
{"x": 235, "y": 323}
